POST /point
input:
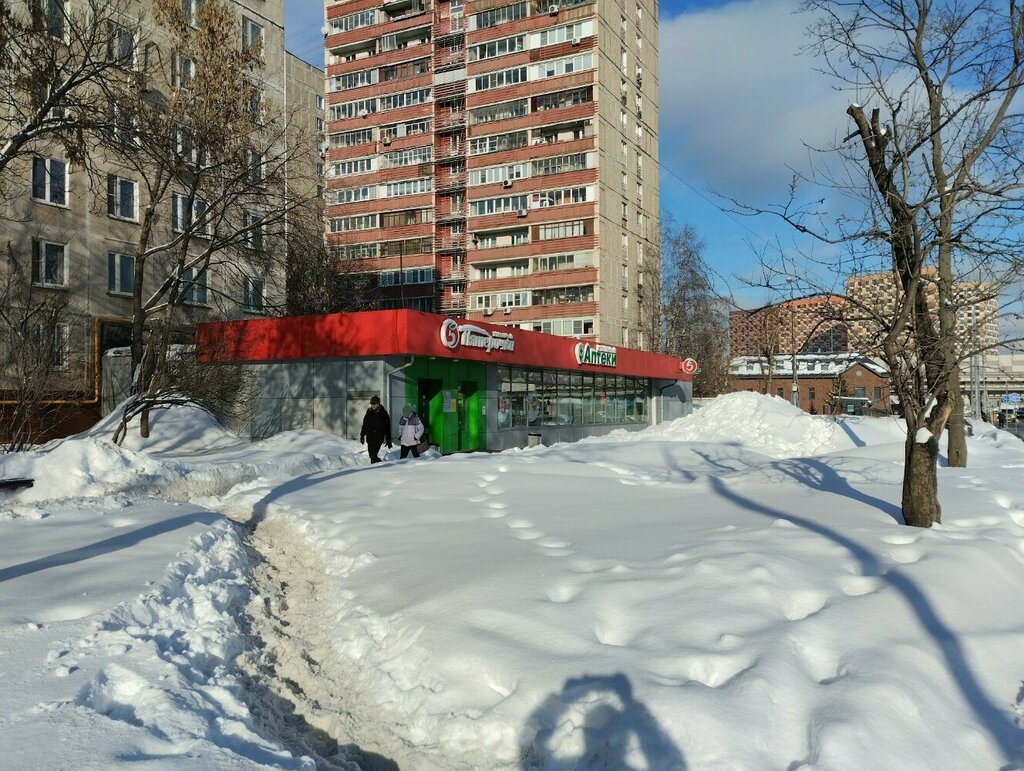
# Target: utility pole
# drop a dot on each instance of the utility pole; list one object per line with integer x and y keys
{"x": 794, "y": 396}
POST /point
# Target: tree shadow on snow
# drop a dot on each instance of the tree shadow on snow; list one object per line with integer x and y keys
{"x": 1007, "y": 736}
{"x": 615, "y": 725}
{"x": 108, "y": 545}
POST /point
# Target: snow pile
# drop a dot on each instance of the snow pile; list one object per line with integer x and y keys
{"x": 173, "y": 671}
{"x": 188, "y": 455}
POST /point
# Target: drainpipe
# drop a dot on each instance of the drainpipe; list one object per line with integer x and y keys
{"x": 387, "y": 382}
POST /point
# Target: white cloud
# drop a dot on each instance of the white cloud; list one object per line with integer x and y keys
{"x": 738, "y": 101}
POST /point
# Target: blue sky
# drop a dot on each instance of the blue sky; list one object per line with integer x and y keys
{"x": 734, "y": 116}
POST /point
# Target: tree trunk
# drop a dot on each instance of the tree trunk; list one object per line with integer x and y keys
{"x": 956, "y": 437}
{"x": 920, "y": 483}
{"x": 144, "y": 424}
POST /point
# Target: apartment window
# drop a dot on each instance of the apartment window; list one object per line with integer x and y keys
{"x": 52, "y": 17}
{"x": 359, "y": 222}
{"x": 557, "y": 262}
{"x": 186, "y": 213}
{"x": 353, "y": 80}
{"x": 553, "y": 230}
{"x": 497, "y": 143}
{"x": 253, "y": 288}
{"x": 253, "y": 225}
{"x": 494, "y": 112}
{"x": 183, "y": 70}
{"x": 877, "y": 393}
{"x": 559, "y": 164}
{"x": 408, "y": 129}
{"x": 495, "y": 48}
{"x": 404, "y": 99}
{"x": 497, "y": 174}
{"x": 352, "y": 138}
{"x": 397, "y": 219}
{"x": 812, "y": 394}
{"x": 407, "y": 187}
{"x": 565, "y": 294}
{"x": 53, "y": 341}
{"x": 356, "y": 251}
{"x": 120, "y": 273}
{"x": 497, "y": 205}
{"x": 560, "y": 197}
{"x": 483, "y": 273}
{"x": 624, "y": 58}
{"x": 408, "y": 157}
{"x": 565, "y": 33}
{"x": 192, "y": 286}
{"x": 50, "y": 180}
{"x": 499, "y": 79}
{"x": 358, "y": 109}
{"x": 252, "y": 33}
{"x": 254, "y": 166}
{"x": 406, "y": 246}
{"x": 184, "y": 145}
{"x": 513, "y": 299}
{"x": 353, "y": 166}
{"x": 120, "y": 45}
{"x": 562, "y": 99}
{"x": 353, "y": 21}
{"x": 190, "y": 8}
{"x": 860, "y": 392}
{"x": 49, "y": 263}
{"x": 498, "y": 16}
{"x": 563, "y": 66}
{"x": 405, "y": 70}
{"x": 353, "y": 194}
{"x": 121, "y": 198}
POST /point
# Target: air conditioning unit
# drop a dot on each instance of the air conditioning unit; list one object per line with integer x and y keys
{"x": 488, "y": 311}
{"x": 507, "y": 311}
{"x": 386, "y": 141}
{"x": 363, "y": 113}
{"x": 507, "y": 183}
{"x": 522, "y": 213}
{"x": 552, "y": 10}
{"x": 575, "y": 41}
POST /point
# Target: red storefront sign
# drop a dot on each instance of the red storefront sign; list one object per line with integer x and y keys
{"x": 412, "y": 333}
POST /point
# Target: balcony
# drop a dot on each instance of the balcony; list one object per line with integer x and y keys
{"x": 445, "y": 124}
{"x": 453, "y": 303}
{"x": 450, "y": 151}
{"x": 452, "y": 243}
{"x": 449, "y": 26}
{"x": 451, "y": 181}
{"x": 449, "y": 60}
{"x": 455, "y": 276}
{"x": 444, "y": 91}
{"x": 457, "y": 213}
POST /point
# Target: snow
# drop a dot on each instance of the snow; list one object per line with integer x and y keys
{"x": 729, "y": 590}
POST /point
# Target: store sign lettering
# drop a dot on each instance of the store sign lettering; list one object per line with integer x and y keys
{"x": 454, "y": 334}
{"x": 599, "y": 355}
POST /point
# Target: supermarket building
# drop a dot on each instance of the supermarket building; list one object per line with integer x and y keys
{"x": 477, "y": 386}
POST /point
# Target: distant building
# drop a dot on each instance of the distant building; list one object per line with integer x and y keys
{"x": 827, "y": 384}
{"x": 807, "y": 325}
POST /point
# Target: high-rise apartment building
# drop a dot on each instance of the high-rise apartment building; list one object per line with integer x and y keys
{"x": 498, "y": 160}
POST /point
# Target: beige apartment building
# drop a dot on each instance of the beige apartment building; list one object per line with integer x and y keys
{"x": 77, "y": 226}
{"x": 498, "y": 160}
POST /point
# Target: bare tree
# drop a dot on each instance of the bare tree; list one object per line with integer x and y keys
{"x": 692, "y": 313}
{"x": 936, "y": 161}
{"x": 35, "y": 331}
{"x": 55, "y": 62}
{"x": 197, "y": 131}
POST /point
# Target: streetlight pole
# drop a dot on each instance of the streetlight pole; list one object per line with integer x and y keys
{"x": 794, "y": 396}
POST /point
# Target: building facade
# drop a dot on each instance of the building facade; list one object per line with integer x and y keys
{"x": 77, "y": 224}
{"x": 477, "y": 386}
{"x": 807, "y": 325}
{"x": 497, "y": 160}
{"x": 825, "y": 384}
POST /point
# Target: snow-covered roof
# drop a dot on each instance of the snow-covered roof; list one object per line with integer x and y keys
{"x": 807, "y": 364}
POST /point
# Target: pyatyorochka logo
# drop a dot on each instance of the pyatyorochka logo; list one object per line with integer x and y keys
{"x": 454, "y": 334}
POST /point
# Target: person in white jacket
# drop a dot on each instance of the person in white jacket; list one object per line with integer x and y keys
{"x": 410, "y": 431}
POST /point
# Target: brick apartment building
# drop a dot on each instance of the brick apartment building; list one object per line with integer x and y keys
{"x": 497, "y": 160}
{"x": 809, "y": 325}
{"x": 827, "y": 384}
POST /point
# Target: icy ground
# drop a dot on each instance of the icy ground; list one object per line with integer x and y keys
{"x": 729, "y": 591}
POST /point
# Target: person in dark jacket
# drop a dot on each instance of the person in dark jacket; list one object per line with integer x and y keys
{"x": 376, "y": 429}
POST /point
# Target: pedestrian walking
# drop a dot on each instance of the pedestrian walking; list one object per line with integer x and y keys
{"x": 376, "y": 429}
{"x": 410, "y": 431}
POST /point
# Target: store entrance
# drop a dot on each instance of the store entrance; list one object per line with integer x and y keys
{"x": 449, "y": 396}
